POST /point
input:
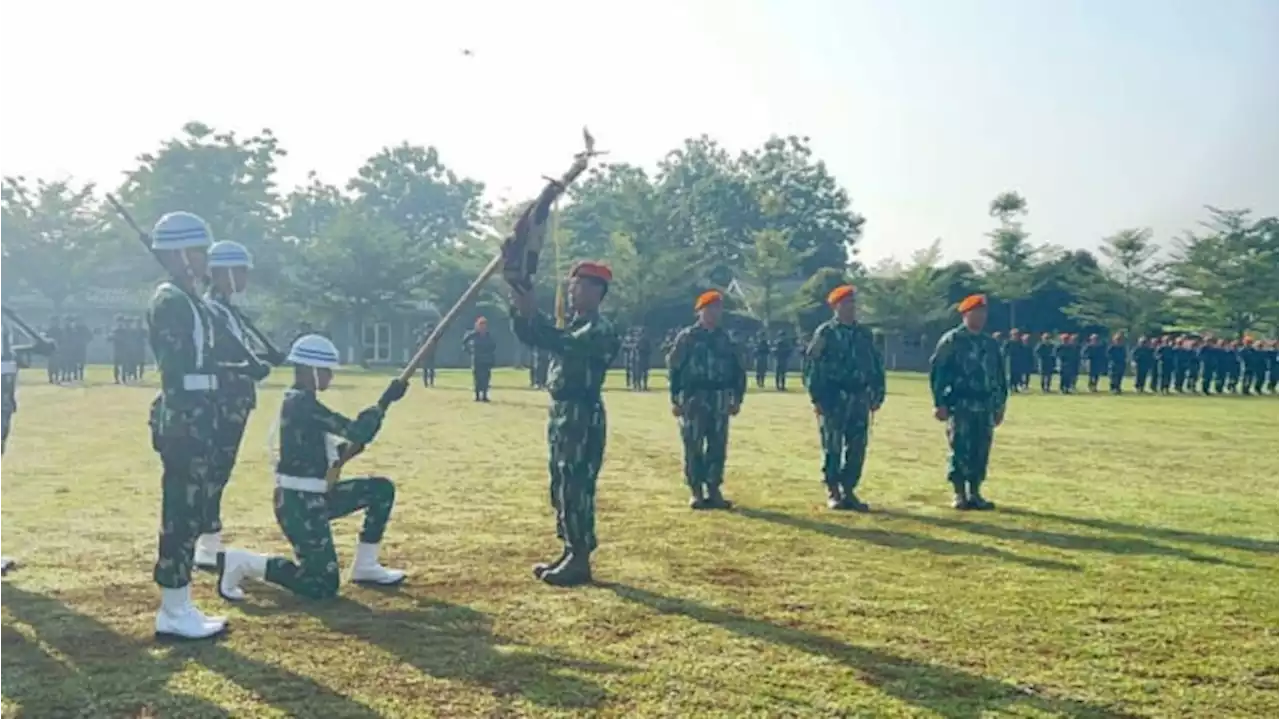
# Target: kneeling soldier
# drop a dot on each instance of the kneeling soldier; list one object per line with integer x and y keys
{"x": 305, "y": 502}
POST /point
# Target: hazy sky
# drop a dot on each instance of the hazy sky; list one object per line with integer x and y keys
{"x": 1104, "y": 114}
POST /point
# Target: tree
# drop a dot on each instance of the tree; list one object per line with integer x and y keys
{"x": 52, "y": 237}
{"x": 409, "y": 187}
{"x": 773, "y": 260}
{"x": 1009, "y": 263}
{"x": 1124, "y": 293}
{"x": 1006, "y": 206}
{"x": 1226, "y": 279}
{"x": 911, "y": 299}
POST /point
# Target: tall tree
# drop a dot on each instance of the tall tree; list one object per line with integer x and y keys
{"x": 408, "y": 186}
{"x": 1009, "y": 262}
{"x": 772, "y": 262}
{"x": 911, "y": 299}
{"x": 1126, "y": 291}
{"x": 52, "y": 237}
{"x": 1225, "y": 279}
{"x": 1006, "y": 206}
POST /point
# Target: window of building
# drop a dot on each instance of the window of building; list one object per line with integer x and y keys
{"x": 377, "y": 341}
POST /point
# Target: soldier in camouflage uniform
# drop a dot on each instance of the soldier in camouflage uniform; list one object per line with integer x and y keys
{"x": 428, "y": 362}
{"x": 1144, "y": 362}
{"x": 625, "y": 356}
{"x": 57, "y": 335}
{"x": 13, "y": 358}
{"x": 184, "y": 417}
{"x": 229, "y": 264}
{"x": 1117, "y": 363}
{"x": 581, "y": 355}
{"x": 845, "y": 378}
{"x": 1046, "y": 358}
{"x": 1096, "y": 353}
{"x": 969, "y": 394}
{"x": 642, "y": 357}
{"x": 760, "y": 350}
{"x": 707, "y": 382}
{"x": 783, "y": 347}
{"x": 310, "y": 441}
{"x": 484, "y": 354}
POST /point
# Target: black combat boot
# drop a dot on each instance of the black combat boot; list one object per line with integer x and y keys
{"x": 833, "y": 496}
{"x": 961, "y": 499}
{"x": 542, "y": 568}
{"x": 573, "y": 570}
{"x": 976, "y": 500}
{"x": 851, "y": 501}
{"x": 697, "y": 497}
{"x": 716, "y": 500}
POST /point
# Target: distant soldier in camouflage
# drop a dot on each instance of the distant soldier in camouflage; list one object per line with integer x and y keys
{"x": 1068, "y": 363}
{"x": 581, "y": 355}
{"x": 137, "y": 350}
{"x": 184, "y": 417}
{"x": 429, "y": 361}
{"x": 1273, "y": 365}
{"x": 760, "y": 351}
{"x": 969, "y": 394}
{"x": 1207, "y": 356}
{"x": 12, "y": 358}
{"x": 707, "y": 381}
{"x": 627, "y": 355}
{"x": 118, "y": 337}
{"x": 783, "y": 347}
{"x": 1117, "y": 362}
{"x": 1231, "y": 357}
{"x": 1046, "y": 357}
{"x": 310, "y": 437}
{"x": 484, "y": 355}
{"x": 1252, "y": 368}
{"x": 229, "y": 264}
{"x": 57, "y": 336}
{"x": 642, "y": 356}
{"x": 1193, "y": 363}
{"x": 844, "y": 374}
{"x": 1096, "y": 353}
{"x": 78, "y": 338}
{"x": 1164, "y": 363}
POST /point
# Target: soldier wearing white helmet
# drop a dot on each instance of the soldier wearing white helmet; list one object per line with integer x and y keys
{"x": 182, "y": 417}
{"x": 229, "y": 264}
{"x": 310, "y": 438}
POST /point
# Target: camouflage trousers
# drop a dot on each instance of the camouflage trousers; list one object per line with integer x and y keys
{"x": 1115, "y": 378}
{"x": 969, "y": 432}
{"x": 843, "y": 428}
{"x": 226, "y": 446}
{"x": 762, "y": 369}
{"x": 480, "y": 377}
{"x": 304, "y": 518}
{"x": 575, "y": 439}
{"x": 704, "y": 430}
{"x": 780, "y": 374}
{"x": 187, "y": 462}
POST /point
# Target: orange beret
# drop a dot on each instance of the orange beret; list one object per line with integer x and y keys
{"x": 706, "y": 299}
{"x": 971, "y": 302}
{"x": 1065, "y": 336}
{"x": 840, "y": 294}
{"x": 594, "y": 270}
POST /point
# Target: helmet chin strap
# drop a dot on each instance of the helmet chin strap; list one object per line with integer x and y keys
{"x": 315, "y": 379}
{"x": 235, "y": 288}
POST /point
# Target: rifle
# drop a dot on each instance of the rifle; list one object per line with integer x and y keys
{"x": 518, "y": 261}
{"x": 267, "y": 346}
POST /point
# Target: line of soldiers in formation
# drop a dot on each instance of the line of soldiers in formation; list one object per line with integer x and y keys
{"x": 1171, "y": 363}
{"x": 71, "y": 337}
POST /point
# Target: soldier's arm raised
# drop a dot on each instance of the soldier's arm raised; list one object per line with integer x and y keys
{"x": 594, "y": 339}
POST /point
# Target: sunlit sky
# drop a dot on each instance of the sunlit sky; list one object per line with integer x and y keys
{"x": 1104, "y": 114}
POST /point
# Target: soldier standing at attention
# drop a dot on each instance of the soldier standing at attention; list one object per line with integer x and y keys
{"x": 1181, "y": 363}
{"x": 1117, "y": 362}
{"x": 1232, "y": 357}
{"x": 1047, "y": 357}
{"x": 57, "y": 336}
{"x": 310, "y": 440}
{"x": 760, "y": 351}
{"x": 428, "y": 362}
{"x": 783, "y": 347}
{"x": 1144, "y": 360}
{"x": 969, "y": 394}
{"x": 845, "y": 378}
{"x": 79, "y": 336}
{"x": 1193, "y": 363}
{"x": 643, "y": 356}
{"x": 707, "y": 381}
{"x": 483, "y": 350}
{"x": 1207, "y": 357}
{"x": 1250, "y": 365}
{"x": 1273, "y": 366}
{"x": 119, "y": 339}
{"x": 1026, "y": 360}
{"x": 183, "y": 417}
{"x": 1068, "y": 363}
{"x": 1097, "y": 356}
{"x": 229, "y": 264}
{"x": 1164, "y": 363}
{"x": 581, "y": 355}
{"x": 627, "y": 353}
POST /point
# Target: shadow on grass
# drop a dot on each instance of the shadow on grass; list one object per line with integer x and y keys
{"x": 1225, "y": 541}
{"x": 1062, "y": 540}
{"x": 102, "y": 673}
{"x": 451, "y": 641}
{"x": 901, "y": 540}
{"x": 952, "y": 693}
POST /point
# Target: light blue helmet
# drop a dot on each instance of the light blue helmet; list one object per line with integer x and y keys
{"x": 225, "y": 253}
{"x": 180, "y": 230}
{"x": 314, "y": 351}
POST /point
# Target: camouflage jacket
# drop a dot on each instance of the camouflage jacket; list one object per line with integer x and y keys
{"x": 233, "y": 388}
{"x": 1144, "y": 355}
{"x": 309, "y": 434}
{"x": 482, "y": 347}
{"x": 581, "y": 353}
{"x": 967, "y": 374}
{"x": 180, "y": 328}
{"x": 1117, "y": 357}
{"x": 843, "y": 359}
{"x": 705, "y": 360}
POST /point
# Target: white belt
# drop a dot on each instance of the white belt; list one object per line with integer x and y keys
{"x": 8, "y": 367}
{"x": 199, "y": 382}
{"x": 302, "y": 484}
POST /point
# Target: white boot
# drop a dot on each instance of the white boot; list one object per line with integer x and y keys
{"x": 6, "y": 564}
{"x": 179, "y": 619}
{"x": 237, "y": 566}
{"x": 207, "y": 548}
{"x": 366, "y": 569}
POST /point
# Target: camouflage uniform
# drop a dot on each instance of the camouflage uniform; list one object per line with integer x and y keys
{"x": 844, "y": 374}
{"x": 1117, "y": 363}
{"x": 428, "y": 362}
{"x": 1096, "y": 353}
{"x": 782, "y": 347}
{"x": 706, "y": 379}
{"x": 306, "y": 453}
{"x": 483, "y": 349}
{"x": 966, "y": 379}
{"x": 581, "y": 355}
{"x": 642, "y": 355}
{"x": 1144, "y": 361}
{"x": 760, "y": 350}
{"x": 1046, "y": 357}
{"x": 183, "y": 424}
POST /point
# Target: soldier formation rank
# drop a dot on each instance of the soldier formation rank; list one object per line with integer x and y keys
{"x": 844, "y": 373}
{"x": 707, "y": 383}
{"x": 484, "y": 351}
{"x": 969, "y": 394}
{"x": 310, "y": 439}
{"x": 581, "y": 354}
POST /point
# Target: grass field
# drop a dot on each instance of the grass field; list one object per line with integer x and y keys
{"x": 1131, "y": 569}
